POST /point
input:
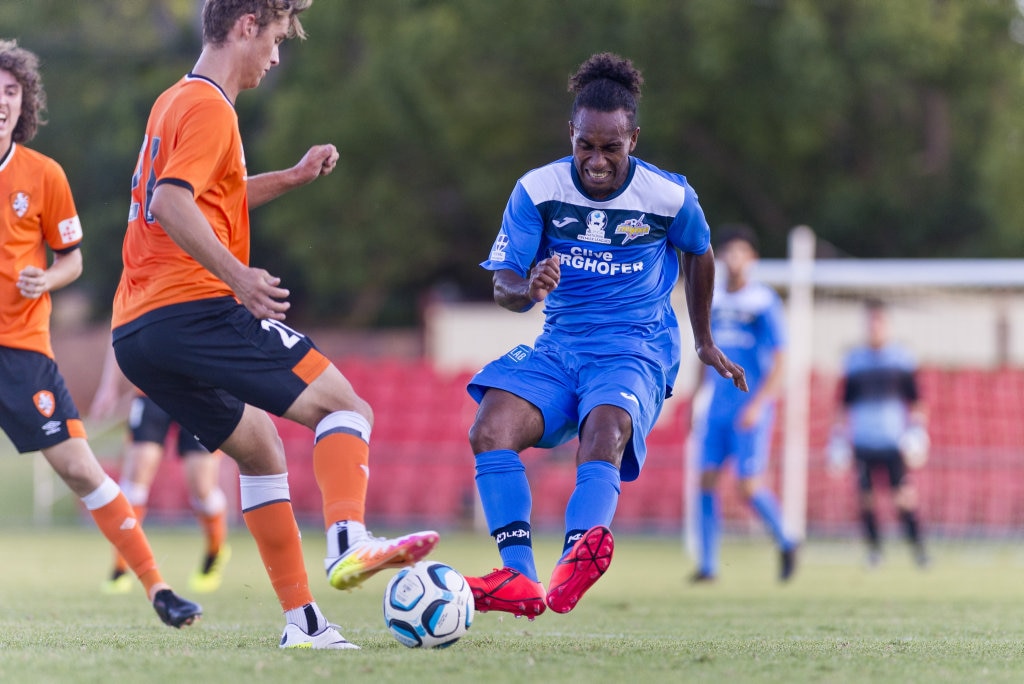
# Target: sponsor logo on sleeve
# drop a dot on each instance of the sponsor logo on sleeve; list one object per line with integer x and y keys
{"x": 70, "y": 230}
{"x": 500, "y": 245}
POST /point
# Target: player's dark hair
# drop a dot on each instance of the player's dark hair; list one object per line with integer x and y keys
{"x": 606, "y": 83}
{"x": 24, "y": 66}
{"x": 731, "y": 232}
{"x": 220, "y": 15}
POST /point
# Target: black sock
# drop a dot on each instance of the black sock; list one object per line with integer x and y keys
{"x": 870, "y": 524}
{"x": 911, "y": 527}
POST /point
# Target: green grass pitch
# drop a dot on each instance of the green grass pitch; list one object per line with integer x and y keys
{"x": 836, "y": 622}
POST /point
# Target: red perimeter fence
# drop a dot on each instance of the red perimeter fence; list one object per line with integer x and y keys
{"x": 422, "y": 467}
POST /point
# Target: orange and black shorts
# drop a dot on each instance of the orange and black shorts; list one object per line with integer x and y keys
{"x": 203, "y": 361}
{"x": 36, "y": 410}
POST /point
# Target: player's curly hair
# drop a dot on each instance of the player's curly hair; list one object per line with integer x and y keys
{"x": 24, "y": 66}
{"x": 220, "y": 15}
{"x": 606, "y": 83}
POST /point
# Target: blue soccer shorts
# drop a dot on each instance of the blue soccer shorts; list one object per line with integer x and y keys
{"x": 566, "y": 385}
{"x": 722, "y": 439}
{"x": 203, "y": 365}
{"x": 36, "y": 410}
{"x": 147, "y": 422}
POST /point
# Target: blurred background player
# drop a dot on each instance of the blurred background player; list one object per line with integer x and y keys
{"x": 596, "y": 237}
{"x": 36, "y": 410}
{"x": 881, "y": 412}
{"x": 200, "y": 331}
{"x": 747, "y": 322}
{"x": 148, "y": 428}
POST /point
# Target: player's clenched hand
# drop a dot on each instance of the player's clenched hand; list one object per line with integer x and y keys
{"x": 259, "y": 293}
{"x": 318, "y": 161}
{"x": 544, "y": 277}
{"x": 711, "y": 355}
{"x": 32, "y": 283}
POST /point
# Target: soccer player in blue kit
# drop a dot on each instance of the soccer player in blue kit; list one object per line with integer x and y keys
{"x": 595, "y": 237}
{"x": 747, "y": 321}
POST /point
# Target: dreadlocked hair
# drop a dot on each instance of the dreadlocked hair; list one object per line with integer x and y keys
{"x": 606, "y": 82}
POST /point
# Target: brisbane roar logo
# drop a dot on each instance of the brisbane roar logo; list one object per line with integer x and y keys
{"x": 19, "y": 203}
{"x": 45, "y": 403}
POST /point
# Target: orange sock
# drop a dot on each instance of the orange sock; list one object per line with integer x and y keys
{"x": 118, "y": 522}
{"x": 277, "y": 537}
{"x": 120, "y": 564}
{"x": 341, "y": 465}
{"x": 216, "y": 529}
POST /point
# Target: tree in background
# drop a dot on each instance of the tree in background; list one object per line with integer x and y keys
{"x": 895, "y": 129}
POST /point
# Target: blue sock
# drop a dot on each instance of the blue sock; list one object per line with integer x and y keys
{"x": 505, "y": 495}
{"x": 763, "y": 501}
{"x": 709, "y": 532}
{"x": 593, "y": 502}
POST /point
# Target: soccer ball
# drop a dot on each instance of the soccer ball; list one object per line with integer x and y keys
{"x": 428, "y": 605}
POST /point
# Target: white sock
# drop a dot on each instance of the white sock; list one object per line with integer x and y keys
{"x": 215, "y": 503}
{"x": 308, "y": 618}
{"x": 343, "y": 534}
{"x": 137, "y": 494}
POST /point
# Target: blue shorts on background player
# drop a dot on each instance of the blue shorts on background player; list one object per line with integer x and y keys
{"x": 747, "y": 321}
{"x": 595, "y": 237}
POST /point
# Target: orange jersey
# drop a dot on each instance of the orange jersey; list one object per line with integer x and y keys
{"x": 191, "y": 140}
{"x": 38, "y": 211}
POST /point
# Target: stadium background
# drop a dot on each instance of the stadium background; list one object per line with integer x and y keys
{"x": 880, "y": 124}
{"x": 421, "y": 465}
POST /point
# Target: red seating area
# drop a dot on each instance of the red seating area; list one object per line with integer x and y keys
{"x": 422, "y": 467}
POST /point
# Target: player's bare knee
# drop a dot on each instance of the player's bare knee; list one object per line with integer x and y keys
{"x": 482, "y": 437}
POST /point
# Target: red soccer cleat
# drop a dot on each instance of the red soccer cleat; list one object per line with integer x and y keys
{"x": 588, "y": 559}
{"x": 509, "y": 591}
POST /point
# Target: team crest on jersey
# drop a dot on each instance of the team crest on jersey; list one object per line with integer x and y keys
{"x": 633, "y": 228}
{"x": 597, "y": 221}
{"x": 19, "y": 203}
{"x": 45, "y": 403}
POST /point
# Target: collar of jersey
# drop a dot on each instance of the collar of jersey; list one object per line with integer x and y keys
{"x": 579, "y": 185}
{"x": 196, "y": 77}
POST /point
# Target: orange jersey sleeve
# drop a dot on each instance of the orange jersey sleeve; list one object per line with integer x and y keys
{"x": 192, "y": 140}
{"x": 38, "y": 212}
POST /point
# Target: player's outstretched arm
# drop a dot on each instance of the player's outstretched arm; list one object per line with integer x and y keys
{"x": 178, "y": 214}
{"x": 515, "y": 293}
{"x": 318, "y": 161}
{"x": 699, "y": 283}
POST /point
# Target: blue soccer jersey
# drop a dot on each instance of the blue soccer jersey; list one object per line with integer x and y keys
{"x": 617, "y": 256}
{"x": 879, "y": 385}
{"x": 749, "y": 327}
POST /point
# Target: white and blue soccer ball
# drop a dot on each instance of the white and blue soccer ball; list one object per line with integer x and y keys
{"x": 428, "y": 605}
